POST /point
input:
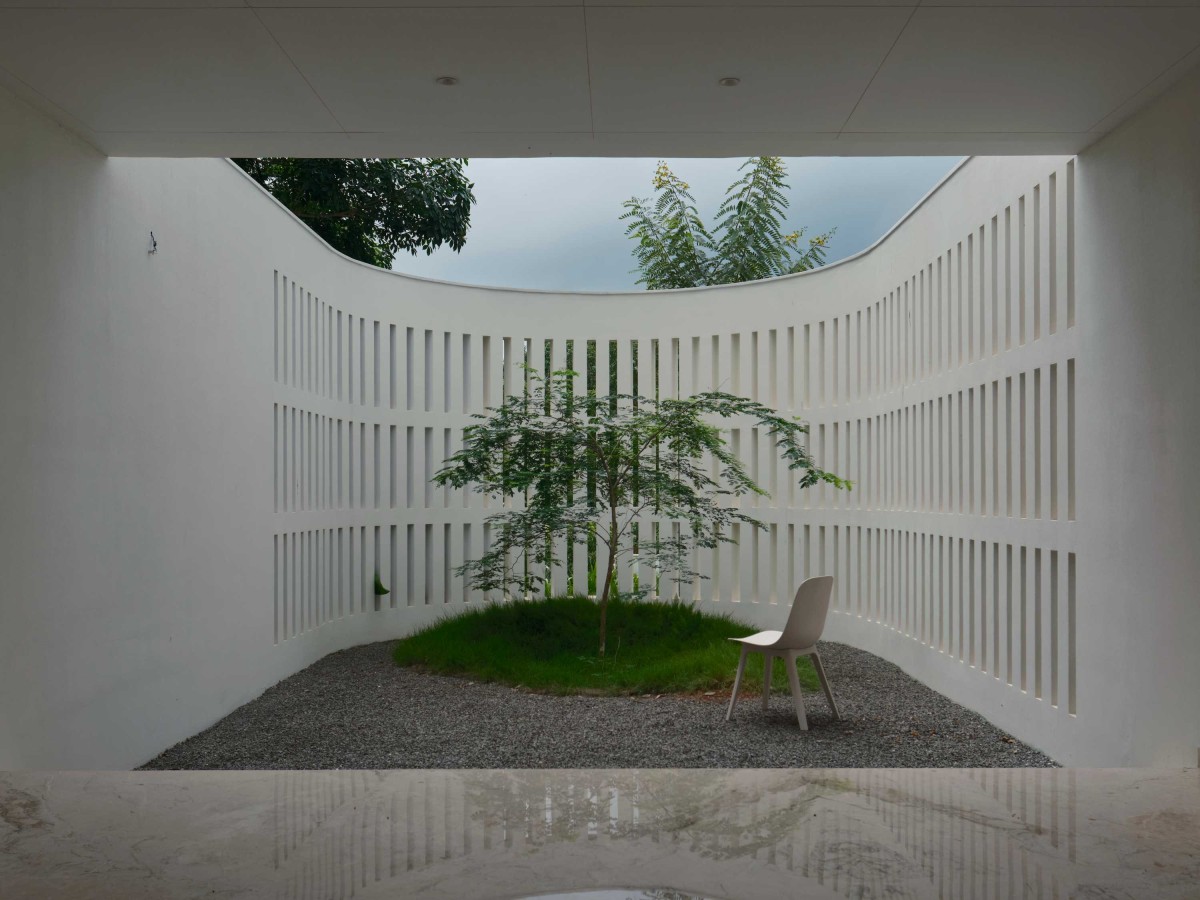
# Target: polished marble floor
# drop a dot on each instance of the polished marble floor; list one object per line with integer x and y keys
{"x": 661, "y": 834}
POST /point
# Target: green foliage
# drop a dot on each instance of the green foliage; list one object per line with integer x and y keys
{"x": 587, "y": 467}
{"x": 548, "y": 646}
{"x": 380, "y": 590}
{"x": 675, "y": 249}
{"x": 371, "y": 209}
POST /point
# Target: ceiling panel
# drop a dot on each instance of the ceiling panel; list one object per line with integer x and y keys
{"x": 656, "y": 70}
{"x": 160, "y": 70}
{"x": 410, "y": 4}
{"x": 1065, "y": 3}
{"x": 1021, "y": 70}
{"x": 121, "y": 4}
{"x": 617, "y": 77}
{"x": 518, "y": 69}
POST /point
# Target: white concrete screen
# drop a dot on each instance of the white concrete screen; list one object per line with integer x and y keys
{"x": 937, "y": 371}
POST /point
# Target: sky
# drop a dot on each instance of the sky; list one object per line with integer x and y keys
{"x": 553, "y": 223}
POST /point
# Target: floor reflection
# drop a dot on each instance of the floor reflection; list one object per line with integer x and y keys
{"x": 865, "y": 833}
{"x": 603, "y": 835}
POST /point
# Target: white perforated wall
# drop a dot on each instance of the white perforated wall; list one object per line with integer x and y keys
{"x": 943, "y": 385}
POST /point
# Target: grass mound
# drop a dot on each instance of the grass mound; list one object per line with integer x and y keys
{"x": 550, "y": 645}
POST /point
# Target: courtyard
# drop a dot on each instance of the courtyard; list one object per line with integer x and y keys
{"x": 240, "y": 468}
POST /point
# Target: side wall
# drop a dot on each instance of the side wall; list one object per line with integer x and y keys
{"x": 1139, "y": 267}
{"x": 135, "y": 446}
{"x": 210, "y": 451}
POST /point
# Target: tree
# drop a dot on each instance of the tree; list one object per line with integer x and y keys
{"x": 588, "y": 466}
{"x": 676, "y": 250}
{"x": 371, "y": 209}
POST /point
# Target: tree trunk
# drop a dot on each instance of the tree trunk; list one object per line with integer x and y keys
{"x": 608, "y": 577}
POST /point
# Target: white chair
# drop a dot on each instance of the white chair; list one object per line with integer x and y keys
{"x": 799, "y": 638}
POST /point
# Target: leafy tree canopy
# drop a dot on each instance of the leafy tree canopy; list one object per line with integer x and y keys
{"x": 371, "y": 209}
{"x": 586, "y": 468}
{"x": 676, "y": 250}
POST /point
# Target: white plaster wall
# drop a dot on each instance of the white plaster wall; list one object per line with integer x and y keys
{"x": 152, "y": 476}
{"x": 1139, "y": 264}
{"x": 135, "y": 442}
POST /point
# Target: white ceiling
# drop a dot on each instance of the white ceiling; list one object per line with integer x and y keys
{"x": 594, "y": 78}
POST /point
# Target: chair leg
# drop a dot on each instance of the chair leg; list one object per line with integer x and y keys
{"x": 737, "y": 683}
{"x": 767, "y": 660}
{"x": 825, "y": 685}
{"x": 794, "y": 683}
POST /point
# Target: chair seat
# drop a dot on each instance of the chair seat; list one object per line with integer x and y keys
{"x": 772, "y": 640}
{"x": 762, "y": 639}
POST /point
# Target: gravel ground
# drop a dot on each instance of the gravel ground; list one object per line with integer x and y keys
{"x": 358, "y": 710}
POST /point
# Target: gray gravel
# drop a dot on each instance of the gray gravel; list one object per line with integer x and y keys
{"x": 358, "y": 710}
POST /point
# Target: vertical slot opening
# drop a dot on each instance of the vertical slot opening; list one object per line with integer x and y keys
{"x": 392, "y": 448}
{"x": 805, "y": 366}
{"x": 447, "y": 361}
{"x": 506, "y": 387}
{"x": 446, "y": 450}
{"x": 427, "y": 372}
{"x": 1052, "y": 252}
{"x": 341, "y": 572}
{"x": 377, "y": 457}
{"x": 408, "y": 470}
{"x": 393, "y": 564}
{"x": 466, "y": 373}
{"x": 446, "y": 574}
{"x": 279, "y": 326}
{"x": 362, "y": 361}
{"x": 1037, "y": 443}
{"x": 1071, "y": 622}
{"x": 994, "y": 292}
{"x": 277, "y": 585}
{"x": 408, "y": 368}
{"x": 410, "y": 541}
{"x": 1037, "y": 263}
{"x": 340, "y": 367}
{"x": 376, "y": 597}
{"x": 1022, "y": 271}
{"x": 791, "y": 367}
{"x": 428, "y": 564}
{"x": 970, "y": 298}
{"x": 341, "y": 494}
{"x": 366, "y": 579}
{"x": 486, "y": 346}
{"x": 427, "y": 474}
{"x": 821, "y": 364}
{"x": 1008, "y": 279}
{"x": 392, "y": 373}
{"x": 1054, "y": 656}
{"x": 1071, "y": 244}
{"x": 362, "y": 465}
{"x": 376, "y": 363}
{"x": 1071, "y": 440}
{"x": 1038, "y": 632}
{"x": 1008, "y": 615}
{"x": 1053, "y": 441}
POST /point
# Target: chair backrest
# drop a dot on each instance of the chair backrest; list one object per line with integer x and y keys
{"x": 806, "y": 621}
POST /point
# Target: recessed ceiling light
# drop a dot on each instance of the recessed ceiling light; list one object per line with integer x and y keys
{"x": 729, "y": 81}
{"x": 446, "y": 80}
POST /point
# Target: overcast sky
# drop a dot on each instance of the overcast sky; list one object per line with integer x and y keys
{"x": 553, "y": 223}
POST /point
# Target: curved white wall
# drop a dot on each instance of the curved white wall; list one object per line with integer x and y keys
{"x": 937, "y": 371}
{"x": 212, "y": 449}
